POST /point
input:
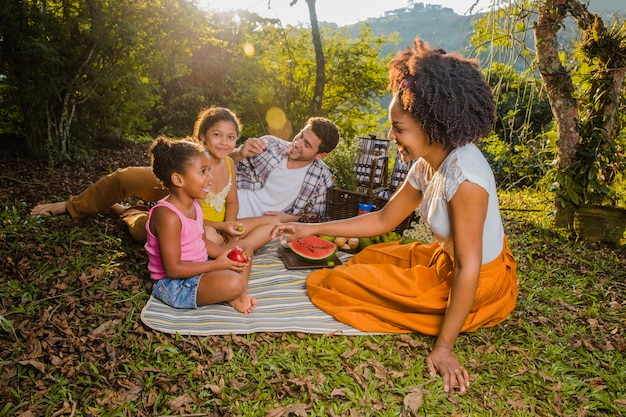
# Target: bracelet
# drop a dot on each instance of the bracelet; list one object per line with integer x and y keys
{"x": 443, "y": 347}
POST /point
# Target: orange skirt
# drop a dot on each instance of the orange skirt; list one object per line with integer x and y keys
{"x": 392, "y": 288}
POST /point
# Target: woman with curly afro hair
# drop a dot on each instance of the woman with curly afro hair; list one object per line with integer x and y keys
{"x": 464, "y": 280}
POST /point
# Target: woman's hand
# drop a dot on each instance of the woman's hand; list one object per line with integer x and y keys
{"x": 288, "y": 232}
{"x": 442, "y": 360}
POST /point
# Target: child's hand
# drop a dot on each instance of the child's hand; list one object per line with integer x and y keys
{"x": 235, "y": 229}
{"x": 232, "y": 230}
{"x": 224, "y": 262}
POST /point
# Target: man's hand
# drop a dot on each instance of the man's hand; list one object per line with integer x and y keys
{"x": 251, "y": 147}
{"x": 282, "y": 217}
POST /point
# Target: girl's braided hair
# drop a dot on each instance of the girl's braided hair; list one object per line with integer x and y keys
{"x": 172, "y": 156}
{"x": 445, "y": 92}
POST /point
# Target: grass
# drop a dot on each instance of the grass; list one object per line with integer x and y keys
{"x": 72, "y": 342}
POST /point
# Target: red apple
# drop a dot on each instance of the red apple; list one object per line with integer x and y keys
{"x": 238, "y": 255}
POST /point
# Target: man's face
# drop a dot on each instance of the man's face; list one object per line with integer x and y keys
{"x": 305, "y": 146}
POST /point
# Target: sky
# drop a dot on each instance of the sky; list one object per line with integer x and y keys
{"x": 342, "y": 12}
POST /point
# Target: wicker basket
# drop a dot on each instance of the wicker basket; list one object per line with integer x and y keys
{"x": 341, "y": 204}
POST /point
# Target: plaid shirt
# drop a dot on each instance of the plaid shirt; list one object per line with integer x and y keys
{"x": 253, "y": 172}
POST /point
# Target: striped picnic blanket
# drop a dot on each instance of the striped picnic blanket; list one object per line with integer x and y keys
{"x": 283, "y": 306}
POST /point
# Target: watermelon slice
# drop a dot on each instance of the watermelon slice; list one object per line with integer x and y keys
{"x": 313, "y": 248}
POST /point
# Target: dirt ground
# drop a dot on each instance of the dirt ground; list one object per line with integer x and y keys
{"x": 31, "y": 181}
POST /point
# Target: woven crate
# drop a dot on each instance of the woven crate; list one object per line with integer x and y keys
{"x": 342, "y": 204}
{"x": 371, "y": 165}
{"x": 398, "y": 173}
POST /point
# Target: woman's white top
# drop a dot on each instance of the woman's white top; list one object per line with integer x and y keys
{"x": 465, "y": 163}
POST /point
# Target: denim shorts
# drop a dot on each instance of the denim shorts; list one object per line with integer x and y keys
{"x": 178, "y": 293}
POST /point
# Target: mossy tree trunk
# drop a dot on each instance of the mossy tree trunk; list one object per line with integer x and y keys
{"x": 599, "y": 46}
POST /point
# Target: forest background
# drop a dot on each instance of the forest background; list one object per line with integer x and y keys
{"x": 85, "y": 86}
{"x": 78, "y": 73}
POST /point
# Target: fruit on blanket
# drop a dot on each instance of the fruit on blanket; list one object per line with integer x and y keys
{"x": 313, "y": 248}
{"x": 364, "y": 242}
{"x": 238, "y": 255}
{"x": 385, "y": 237}
{"x": 360, "y": 243}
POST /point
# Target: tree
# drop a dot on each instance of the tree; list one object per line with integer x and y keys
{"x": 583, "y": 84}
{"x": 281, "y": 74}
{"x": 320, "y": 62}
{"x": 102, "y": 64}
{"x": 588, "y": 157}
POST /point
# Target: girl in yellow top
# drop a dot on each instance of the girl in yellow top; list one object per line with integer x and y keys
{"x": 218, "y": 128}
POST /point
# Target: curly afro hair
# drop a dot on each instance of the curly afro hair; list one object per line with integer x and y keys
{"x": 445, "y": 92}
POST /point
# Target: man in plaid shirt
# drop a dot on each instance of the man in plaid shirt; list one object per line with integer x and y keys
{"x": 278, "y": 177}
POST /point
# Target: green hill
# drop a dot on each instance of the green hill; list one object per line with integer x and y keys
{"x": 438, "y": 25}
{"x": 442, "y": 27}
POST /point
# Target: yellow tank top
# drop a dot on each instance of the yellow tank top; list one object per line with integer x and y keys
{"x": 214, "y": 205}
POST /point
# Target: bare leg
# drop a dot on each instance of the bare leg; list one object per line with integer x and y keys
{"x": 212, "y": 235}
{"x": 229, "y": 286}
{"x": 257, "y": 230}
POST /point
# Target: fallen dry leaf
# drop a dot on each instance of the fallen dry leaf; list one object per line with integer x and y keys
{"x": 412, "y": 402}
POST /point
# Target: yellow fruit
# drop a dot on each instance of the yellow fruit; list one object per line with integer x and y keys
{"x": 340, "y": 241}
{"x": 353, "y": 243}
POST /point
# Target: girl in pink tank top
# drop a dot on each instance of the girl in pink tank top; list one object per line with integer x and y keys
{"x": 190, "y": 270}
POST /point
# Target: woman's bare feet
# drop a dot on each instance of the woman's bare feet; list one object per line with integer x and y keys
{"x": 244, "y": 303}
{"x": 49, "y": 209}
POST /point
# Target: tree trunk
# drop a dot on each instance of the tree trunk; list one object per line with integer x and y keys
{"x": 559, "y": 88}
{"x": 320, "y": 71}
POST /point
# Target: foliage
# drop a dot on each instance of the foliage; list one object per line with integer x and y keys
{"x": 341, "y": 163}
{"x": 96, "y": 65}
{"x": 601, "y": 153}
{"x": 522, "y": 146}
{"x": 598, "y": 157}
{"x": 281, "y": 74}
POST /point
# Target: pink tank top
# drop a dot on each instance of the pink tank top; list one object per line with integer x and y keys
{"x": 192, "y": 248}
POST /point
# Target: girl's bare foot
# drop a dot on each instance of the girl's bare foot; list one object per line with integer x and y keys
{"x": 244, "y": 303}
{"x": 49, "y": 209}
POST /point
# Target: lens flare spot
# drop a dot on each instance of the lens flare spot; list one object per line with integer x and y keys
{"x": 277, "y": 123}
{"x": 276, "y": 118}
{"x": 248, "y": 49}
